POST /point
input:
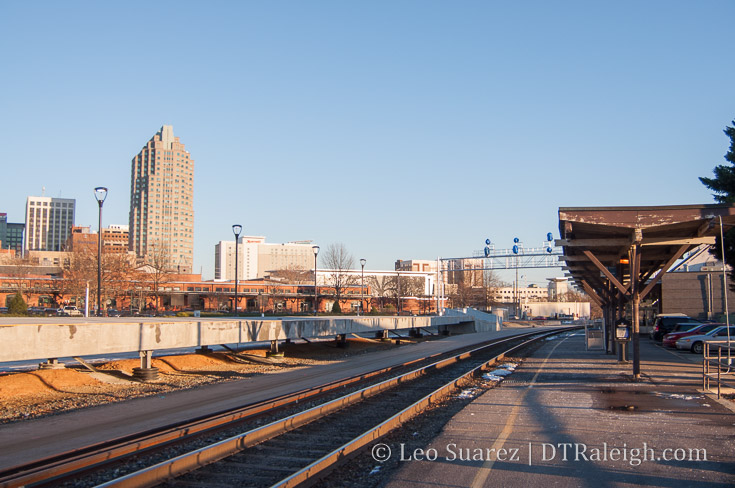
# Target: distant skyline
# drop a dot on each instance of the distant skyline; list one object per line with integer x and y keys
{"x": 405, "y": 130}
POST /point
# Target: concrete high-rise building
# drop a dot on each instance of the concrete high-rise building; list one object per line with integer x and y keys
{"x": 247, "y": 258}
{"x": 11, "y": 235}
{"x": 256, "y": 258}
{"x": 48, "y": 223}
{"x": 161, "y": 201}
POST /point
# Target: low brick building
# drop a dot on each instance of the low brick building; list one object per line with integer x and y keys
{"x": 698, "y": 294}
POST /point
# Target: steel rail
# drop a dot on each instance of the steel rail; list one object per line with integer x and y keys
{"x": 321, "y": 467}
{"x": 190, "y": 461}
{"x": 113, "y": 450}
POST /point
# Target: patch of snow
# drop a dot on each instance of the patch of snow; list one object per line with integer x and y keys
{"x": 679, "y": 396}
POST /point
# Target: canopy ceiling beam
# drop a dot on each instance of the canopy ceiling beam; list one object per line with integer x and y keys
{"x": 605, "y": 271}
{"x": 664, "y": 270}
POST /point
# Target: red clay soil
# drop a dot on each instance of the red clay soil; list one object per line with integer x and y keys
{"x": 44, "y": 380}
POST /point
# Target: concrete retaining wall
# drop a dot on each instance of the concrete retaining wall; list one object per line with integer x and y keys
{"x": 54, "y": 340}
{"x": 482, "y": 321}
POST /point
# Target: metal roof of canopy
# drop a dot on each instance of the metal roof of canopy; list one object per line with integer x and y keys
{"x": 596, "y": 239}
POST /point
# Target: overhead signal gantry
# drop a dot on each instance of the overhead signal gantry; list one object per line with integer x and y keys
{"x": 518, "y": 256}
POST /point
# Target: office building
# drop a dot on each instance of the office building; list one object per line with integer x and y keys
{"x": 423, "y": 265}
{"x": 48, "y": 223}
{"x": 114, "y": 239}
{"x": 161, "y": 201}
{"x": 11, "y": 235}
{"x": 511, "y": 294}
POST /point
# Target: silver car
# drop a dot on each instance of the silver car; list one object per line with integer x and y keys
{"x": 695, "y": 343}
{"x": 69, "y": 311}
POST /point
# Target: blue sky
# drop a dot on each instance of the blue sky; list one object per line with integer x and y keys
{"x": 403, "y": 129}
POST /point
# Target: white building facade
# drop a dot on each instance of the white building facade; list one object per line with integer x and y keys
{"x": 256, "y": 258}
{"x": 510, "y": 294}
{"x": 48, "y": 223}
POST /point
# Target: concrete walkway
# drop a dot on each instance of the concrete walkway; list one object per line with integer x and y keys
{"x": 571, "y": 417}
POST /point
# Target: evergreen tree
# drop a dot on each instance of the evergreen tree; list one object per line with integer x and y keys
{"x": 336, "y": 308}
{"x": 17, "y": 306}
{"x": 723, "y": 186}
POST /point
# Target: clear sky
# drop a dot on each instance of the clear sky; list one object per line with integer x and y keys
{"x": 403, "y": 129}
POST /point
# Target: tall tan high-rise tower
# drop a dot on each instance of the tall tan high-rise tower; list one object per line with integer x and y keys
{"x": 161, "y": 203}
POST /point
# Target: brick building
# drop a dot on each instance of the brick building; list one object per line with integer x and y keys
{"x": 698, "y": 294}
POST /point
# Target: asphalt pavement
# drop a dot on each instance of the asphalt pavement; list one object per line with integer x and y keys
{"x": 572, "y": 417}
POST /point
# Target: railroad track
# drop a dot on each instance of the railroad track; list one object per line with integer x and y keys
{"x": 285, "y": 452}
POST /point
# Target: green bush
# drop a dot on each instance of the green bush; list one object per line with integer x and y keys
{"x": 17, "y": 306}
{"x": 336, "y": 308}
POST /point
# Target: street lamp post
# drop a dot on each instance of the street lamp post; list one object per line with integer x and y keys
{"x": 100, "y": 193}
{"x": 398, "y": 294}
{"x": 316, "y": 251}
{"x": 236, "y": 229}
{"x": 362, "y": 285}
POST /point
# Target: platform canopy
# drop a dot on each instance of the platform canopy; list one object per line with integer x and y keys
{"x": 600, "y": 243}
{"x": 618, "y": 254}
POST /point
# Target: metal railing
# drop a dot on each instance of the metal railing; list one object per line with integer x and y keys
{"x": 717, "y": 365}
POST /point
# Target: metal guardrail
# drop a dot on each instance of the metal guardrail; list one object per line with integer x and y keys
{"x": 718, "y": 367}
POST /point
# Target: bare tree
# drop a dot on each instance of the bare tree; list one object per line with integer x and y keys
{"x": 338, "y": 260}
{"x": 381, "y": 287}
{"x": 412, "y": 286}
{"x": 470, "y": 291}
{"x": 491, "y": 282}
{"x": 574, "y": 296}
{"x": 20, "y": 270}
{"x": 293, "y": 274}
{"x": 464, "y": 294}
{"x": 158, "y": 268}
{"x": 117, "y": 273}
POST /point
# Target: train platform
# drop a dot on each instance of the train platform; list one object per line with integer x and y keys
{"x": 572, "y": 417}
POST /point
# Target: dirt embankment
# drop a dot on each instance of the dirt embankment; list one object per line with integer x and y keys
{"x": 37, "y": 393}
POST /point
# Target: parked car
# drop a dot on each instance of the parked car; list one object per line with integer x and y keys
{"x": 111, "y": 312}
{"x": 665, "y": 323}
{"x": 695, "y": 343}
{"x": 69, "y": 311}
{"x": 699, "y": 329}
